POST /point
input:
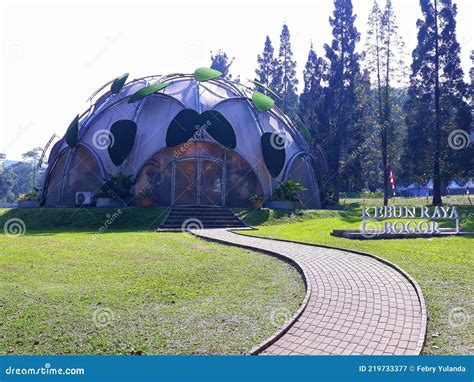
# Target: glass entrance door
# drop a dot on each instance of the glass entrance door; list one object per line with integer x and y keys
{"x": 198, "y": 181}
{"x": 185, "y": 182}
{"x": 211, "y": 182}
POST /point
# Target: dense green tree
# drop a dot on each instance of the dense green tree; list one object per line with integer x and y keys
{"x": 340, "y": 98}
{"x": 221, "y": 62}
{"x": 361, "y": 167}
{"x": 16, "y": 179}
{"x": 437, "y": 95}
{"x": 21, "y": 177}
{"x": 33, "y": 157}
{"x": 8, "y": 179}
{"x": 267, "y": 65}
{"x": 285, "y": 82}
{"x": 311, "y": 100}
{"x": 384, "y": 58}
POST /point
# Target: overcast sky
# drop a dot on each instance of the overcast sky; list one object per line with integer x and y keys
{"x": 56, "y": 54}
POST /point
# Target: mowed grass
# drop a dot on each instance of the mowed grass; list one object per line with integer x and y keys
{"x": 138, "y": 292}
{"x": 443, "y": 267}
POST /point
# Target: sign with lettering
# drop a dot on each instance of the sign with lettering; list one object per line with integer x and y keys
{"x": 429, "y": 225}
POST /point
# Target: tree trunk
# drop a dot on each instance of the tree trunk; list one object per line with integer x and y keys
{"x": 437, "y": 152}
{"x": 339, "y": 124}
{"x": 386, "y": 119}
{"x": 383, "y": 138}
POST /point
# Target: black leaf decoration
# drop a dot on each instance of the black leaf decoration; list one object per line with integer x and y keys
{"x": 274, "y": 153}
{"x": 188, "y": 122}
{"x": 219, "y": 128}
{"x": 118, "y": 83}
{"x": 72, "y": 132}
{"x": 123, "y": 133}
{"x": 182, "y": 127}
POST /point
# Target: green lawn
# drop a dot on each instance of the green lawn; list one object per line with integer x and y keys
{"x": 66, "y": 290}
{"x": 444, "y": 267}
{"x": 134, "y": 291}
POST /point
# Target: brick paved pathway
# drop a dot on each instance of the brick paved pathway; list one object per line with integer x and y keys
{"x": 355, "y": 304}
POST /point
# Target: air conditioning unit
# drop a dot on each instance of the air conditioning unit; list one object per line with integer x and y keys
{"x": 83, "y": 198}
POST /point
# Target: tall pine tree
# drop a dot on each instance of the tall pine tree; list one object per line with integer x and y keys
{"x": 285, "y": 82}
{"x": 340, "y": 98}
{"x": 266, "y": 66}
{"x": 384, "y": 49}
{"x": 437, "y": 94}
{"x": 221, "y": 62}
{"x": 310, "y": 105}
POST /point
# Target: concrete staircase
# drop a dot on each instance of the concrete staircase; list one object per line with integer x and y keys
{"x": 198, "y": 217}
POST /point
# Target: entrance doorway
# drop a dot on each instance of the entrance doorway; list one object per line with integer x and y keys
{"x": 198, "y": 181}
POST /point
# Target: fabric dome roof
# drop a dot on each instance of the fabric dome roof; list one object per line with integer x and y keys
{"x": 154, "y": 113}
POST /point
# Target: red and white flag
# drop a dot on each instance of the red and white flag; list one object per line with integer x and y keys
{"x": 392, "y": 182}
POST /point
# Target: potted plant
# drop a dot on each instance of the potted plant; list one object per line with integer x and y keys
{"x": 115, "y": 192}
{"x": 257, "y": 201}
{"x": 29, "y": 200}
{"x": 286, "y": 196}
{"x": 148, "y": 196}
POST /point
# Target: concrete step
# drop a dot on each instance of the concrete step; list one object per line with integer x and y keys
{"x": 202, "y": 211}
{"x": 201, "y": 217}
{"x": 180, "y": 227}
{"x": 204, "y": 214}
{"x": 208, "y": 217}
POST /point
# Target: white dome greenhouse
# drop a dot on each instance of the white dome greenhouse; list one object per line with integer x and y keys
{"x": 194, "y": 139}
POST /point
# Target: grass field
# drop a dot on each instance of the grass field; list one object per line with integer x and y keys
{"x": 444, "y": 267}
{"x": 66, "y": 290}
{"x": 132, "y": 291}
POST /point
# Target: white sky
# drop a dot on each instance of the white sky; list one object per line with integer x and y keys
{"x": 56, "y": 54}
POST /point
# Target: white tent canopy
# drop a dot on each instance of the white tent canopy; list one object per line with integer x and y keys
{"x": 454, "y": 185}
{"x": 469, "y": 184}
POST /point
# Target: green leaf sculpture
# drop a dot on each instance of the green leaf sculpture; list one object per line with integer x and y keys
{"x": 206, "y": 74}
{"x": 262, "y": 102}
{"x": 146, "y": 91}
{"x": 118, "y": 83}
{"x": 72, "y": 132}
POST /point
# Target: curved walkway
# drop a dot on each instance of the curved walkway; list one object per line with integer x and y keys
{"x": 355, "y": 303}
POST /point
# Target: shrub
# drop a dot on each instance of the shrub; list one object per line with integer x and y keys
{"x": 330, "y": 197}
{"x": 371, "y": 194}
{"x": 115, "y": 187}
{"x": 148, "y": 193}
{"x": 32, "y": 196}
{"x": 288, "y": 191}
